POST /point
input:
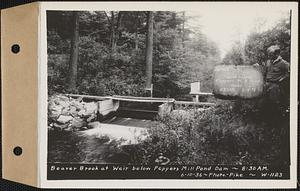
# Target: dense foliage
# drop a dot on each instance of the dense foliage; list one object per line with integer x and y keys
{"x": 254, "y": 50}
{"x": 230, "y": 133}
{"x": 112, "y": 53}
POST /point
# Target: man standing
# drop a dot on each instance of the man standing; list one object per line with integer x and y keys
{"x": 276, "y": 75}
{"x": 277, "y": 88}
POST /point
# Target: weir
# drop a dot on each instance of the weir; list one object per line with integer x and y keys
{"x": 112, "y": 108}
{"x": 124, "y": 119}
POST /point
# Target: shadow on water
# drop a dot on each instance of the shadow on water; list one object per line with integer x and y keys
{"x": 72, "y": 147}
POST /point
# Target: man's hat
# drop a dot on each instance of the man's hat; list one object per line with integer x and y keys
{"x": 273, "y": 48}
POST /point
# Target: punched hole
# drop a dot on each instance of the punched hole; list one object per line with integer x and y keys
{"x": 18, "y": 151}
{"x": 15, "y": 48}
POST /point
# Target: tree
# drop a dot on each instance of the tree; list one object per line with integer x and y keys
{"x": 74, "y": 52}
{"x": 113, "y": 38}
{"x": 100, "y": 71}
{"x": 114, "y": 28}
{"x": 258, "y": 42}
{"x": 136, "y": 39}
{"x": 236, "y": 55}
{"x": 182, "y": 32}
{"x": 149, "y": 49}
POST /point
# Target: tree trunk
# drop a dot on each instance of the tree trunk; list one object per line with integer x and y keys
{"x": 183, "y": 22}
{"x": 136, "y": 36}
{"x": 74, "y": 52}
{"x": 149, "y": 49}
{"x": 136, "y": 40}
{"x": 173, "y": 23}
{"x": 113, "y": 43}
{"x": 117, "y": 30}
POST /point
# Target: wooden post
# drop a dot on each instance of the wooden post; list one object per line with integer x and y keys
{"x": 150, "y": 89}
{"x": 196, "y": 98}
{"x": 195, "y": 90}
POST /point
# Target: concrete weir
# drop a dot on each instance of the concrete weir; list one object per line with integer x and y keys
{"x": 126, "y": 119}
{"x": 110, "y": 105}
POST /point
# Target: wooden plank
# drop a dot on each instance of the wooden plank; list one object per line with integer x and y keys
{"x": 143, "y": 99}
{"x": 202, "y": 93}
{"x": 148, "y": 98}
{"x": 138, "y": 110}
{"x": 194, "y": 103}
{"x": 124, "y": 98}
{"x": 88, "y": 96}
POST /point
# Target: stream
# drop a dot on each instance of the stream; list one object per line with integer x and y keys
{"x": 95, "y": 145}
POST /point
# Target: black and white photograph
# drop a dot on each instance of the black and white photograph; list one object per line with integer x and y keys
{"x": 181, "y": 94}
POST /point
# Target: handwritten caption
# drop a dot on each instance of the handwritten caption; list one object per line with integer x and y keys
{"x": 180, "y": 172}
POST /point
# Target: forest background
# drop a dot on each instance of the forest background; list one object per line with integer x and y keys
{"x": 107, "y": 51}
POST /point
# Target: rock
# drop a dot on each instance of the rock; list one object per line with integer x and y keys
{"x": 92, "y": 117}
{"x": 71, "y": 114}
{"x": 78, "y": 123}
{"x": 95, "y": 124}
{"x": 58, "y": 126}
{"x": 90, "y": 108}
{"x": 55, "y": 110}
{"x": 81, "y": 112}
{"x": 83, "y": 128}
{"x": 68, "y": 128}
{"x": 64, "y": 119}
{"x": 52, "y": 117}
{"x": 79, "y": 99}
{"x": 73, "y": 110}
{"x": 65, "y": 111}
{"x": 58, "y": 99}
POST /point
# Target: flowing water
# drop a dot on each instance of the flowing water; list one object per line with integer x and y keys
{"x": 95, "y": 145}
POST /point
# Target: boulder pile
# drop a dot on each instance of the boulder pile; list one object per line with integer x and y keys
{"x": 69, "y": 114}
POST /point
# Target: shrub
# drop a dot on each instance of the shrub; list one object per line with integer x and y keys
{"x": 220, "y": 135}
